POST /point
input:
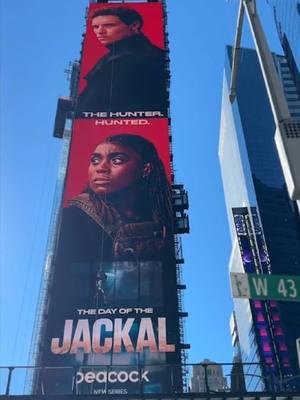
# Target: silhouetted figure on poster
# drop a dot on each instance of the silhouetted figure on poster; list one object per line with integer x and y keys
{"x": 132, "y": 76}
{"x": 100, "y": 295}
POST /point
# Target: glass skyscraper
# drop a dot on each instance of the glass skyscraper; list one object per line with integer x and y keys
{"x": 287, "y": 18}
{"x": 264, "y": 223}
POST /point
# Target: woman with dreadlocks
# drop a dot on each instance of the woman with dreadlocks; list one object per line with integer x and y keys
{"x": 125, "y": 213}
{"x": 115, "y": 247}
{"x": 122, "y": 218}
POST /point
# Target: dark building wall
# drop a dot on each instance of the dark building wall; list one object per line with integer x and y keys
{"x": 279, "y": 215}
{"x": 287, "y": 19}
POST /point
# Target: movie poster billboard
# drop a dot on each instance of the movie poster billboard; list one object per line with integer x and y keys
{"x": 124, "y": 62}
{"x": 111, "y": 321}
{"x": 112, "y": 311}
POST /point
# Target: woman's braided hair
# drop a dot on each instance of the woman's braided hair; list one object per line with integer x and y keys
{"x": 156, "y": 184}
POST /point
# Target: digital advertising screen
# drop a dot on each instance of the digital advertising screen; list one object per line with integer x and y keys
{"x": 114, "y": 295}
{"x": 266, "y": 315}
{"x": 124, "y": 61}
{"x": 112, "y": 324}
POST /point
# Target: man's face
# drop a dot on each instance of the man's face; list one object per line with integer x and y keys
{"x": 114, "y": 167}
{"x": 110, "y": 29}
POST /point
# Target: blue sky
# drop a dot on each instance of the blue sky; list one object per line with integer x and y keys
{"x": 38, "y": 39}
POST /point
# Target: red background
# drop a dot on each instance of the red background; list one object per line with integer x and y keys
{"x": 153, "y": 28}
{"x": 86, "y": 136}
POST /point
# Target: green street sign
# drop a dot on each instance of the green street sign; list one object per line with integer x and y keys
{"x": 265, "y": 287}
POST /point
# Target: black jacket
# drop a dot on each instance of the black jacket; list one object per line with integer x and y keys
{"x": 131, "y": 77}
{"x": 84, "y": 248}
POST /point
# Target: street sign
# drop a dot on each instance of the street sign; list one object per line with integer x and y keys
{"x": 265, "y": 287}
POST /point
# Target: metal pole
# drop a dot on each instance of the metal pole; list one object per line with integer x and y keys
{"x": 10, "y": 370}
{"x": 275, "y": 91}
{"x": 74, "y": 383}
{"x": 287, "y": 134}
{"x": 205, "y": 377}
{"x": 236, "y": 52}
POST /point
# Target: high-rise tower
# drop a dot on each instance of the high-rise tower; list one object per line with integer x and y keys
{"x": 287, "y": 19}
{"x": 264, "y": 222}
{"x": 208, "y": 375}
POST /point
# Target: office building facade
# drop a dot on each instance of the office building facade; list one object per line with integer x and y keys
{"x": 208, "y": 376}
{"x": 287, "y": 19}
{"x": 264, "y": 222}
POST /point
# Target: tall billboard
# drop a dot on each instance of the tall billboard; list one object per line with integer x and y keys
{"x": 124, "y": 64}
{"x": 112, "y": 318}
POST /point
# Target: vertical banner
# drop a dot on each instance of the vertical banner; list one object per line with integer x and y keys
{"x": 247, "y": 234}
{"x": 266, "y": 316}
{"x": 124, "y": 66}
{"x": 112, "y": 320}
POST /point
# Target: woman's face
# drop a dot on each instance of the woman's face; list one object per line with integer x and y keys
{"x": 113, "y": 167}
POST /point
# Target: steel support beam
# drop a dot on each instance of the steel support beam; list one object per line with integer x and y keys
{"x": 287, "y": 134}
